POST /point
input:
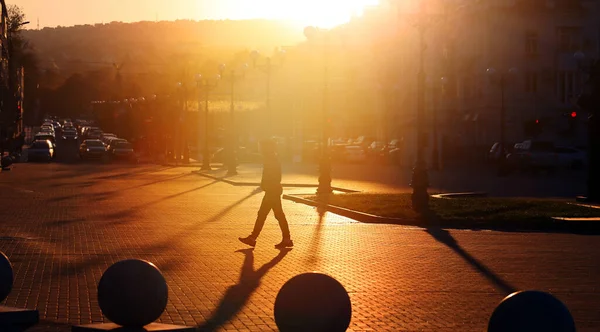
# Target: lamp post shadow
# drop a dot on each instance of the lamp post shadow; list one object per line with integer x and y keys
{"x": 237, "y": 296}
{"x": 315, "y": 243}
{"x": 443, "y": 236}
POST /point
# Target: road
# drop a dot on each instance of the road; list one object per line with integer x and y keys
{"x": 64, "y": 224}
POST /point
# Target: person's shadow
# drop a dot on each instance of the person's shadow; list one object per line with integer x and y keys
{"x": 236, "y": 296}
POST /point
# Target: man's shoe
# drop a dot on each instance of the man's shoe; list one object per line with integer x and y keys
{"x": 248, "y": 240}
{"x": 284, "y": 244}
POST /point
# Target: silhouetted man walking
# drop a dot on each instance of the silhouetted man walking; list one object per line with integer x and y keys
{"x": 271, "y": 184}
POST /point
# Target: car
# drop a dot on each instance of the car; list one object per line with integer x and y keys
{"x": 106, "y": 137}
{"x": 40, "y": 150}
{"x": 49, "y": 128}
{"x": 121, "y": 150}
{"x": 533, "y": 156}
{"x": 92, "y": 149}
{"x": 70, "y": 135}
{"x": 43, "y": 136}
{"x": 354, "y": 154}
{"x": 94, "y": 134}
{"x": 570, "y": 158}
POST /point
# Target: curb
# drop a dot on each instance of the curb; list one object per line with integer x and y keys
{"x": 474, "y": 194}
{"x": 256, "y": 184}
{"x": 556, "y": 225}
{"x": 358, "y": 216}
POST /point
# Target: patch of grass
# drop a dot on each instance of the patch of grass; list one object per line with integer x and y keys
{"x": 462, "y": 209}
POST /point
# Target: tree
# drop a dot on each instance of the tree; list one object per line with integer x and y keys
{"x": 22, "y": 55}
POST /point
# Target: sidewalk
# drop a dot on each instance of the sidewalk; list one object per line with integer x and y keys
{"x": 306, "y": 177}
{"x": 374, "y": 178}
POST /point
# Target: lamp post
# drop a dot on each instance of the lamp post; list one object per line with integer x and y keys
{"x": 502, "y": 79}
{"x": 420, "y": 178}
{"x": 268, "y": 67}
{"x": 589, "y": 100}
{"x": 176, "y": 127}
{"x": 234, "y": 76}
{"x": 324, "y": 187}
{"x": 205, "y": 87}
{"x": 435, "y": 153}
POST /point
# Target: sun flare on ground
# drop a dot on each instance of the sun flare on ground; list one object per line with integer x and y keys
{"x": 320, "y": 13}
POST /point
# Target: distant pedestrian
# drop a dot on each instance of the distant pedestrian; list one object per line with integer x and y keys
{"x": 271, "y": 184}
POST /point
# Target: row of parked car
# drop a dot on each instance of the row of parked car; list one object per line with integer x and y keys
{"x": 43, "y": 147}
{"x": 94, "y": 143}
{"x": 532, "y": 155}
{"x": 103, "y": 146}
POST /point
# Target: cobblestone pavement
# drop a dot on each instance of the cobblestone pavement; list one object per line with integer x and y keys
{"x": 63, "y": 225}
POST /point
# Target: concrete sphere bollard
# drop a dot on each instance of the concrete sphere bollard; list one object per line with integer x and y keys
{"x": 313, "y": 302}
{"x": 531, "y": 311}
{"x": 132, "y": 293}
{"x": 6, "y": 277}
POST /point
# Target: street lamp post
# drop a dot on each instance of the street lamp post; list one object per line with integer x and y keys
{"x": 589, "y": 100}
{"x": 324, "y": 187}
{"x": 502, "y": 79}
{"x": 268, "y": 68}
{"x": 177, "y": 134}
{"x": 435, "y": 153}
{"x": 205, "y": 87}
{"x": 420, "y": 178}
{"x": 234, "y": 76}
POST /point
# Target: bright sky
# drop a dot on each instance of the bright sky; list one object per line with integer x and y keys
{"x": 322, "y": 13}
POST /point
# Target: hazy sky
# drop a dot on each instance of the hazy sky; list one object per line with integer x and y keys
{"x": 324, "y": 13}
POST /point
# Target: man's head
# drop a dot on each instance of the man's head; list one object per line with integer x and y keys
{"x": 268, "y": 147}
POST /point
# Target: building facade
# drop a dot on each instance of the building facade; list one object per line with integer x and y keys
{"x": 538, "y": 40}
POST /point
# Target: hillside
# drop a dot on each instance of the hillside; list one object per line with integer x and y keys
{"x": 154, "y": 43}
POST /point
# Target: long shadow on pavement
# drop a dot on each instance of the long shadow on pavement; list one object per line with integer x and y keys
{"x": 136, "y": 171}
{"x": 107, "y": 194}
{"x": 131, "y": 210}
{"x": 237, "y": 296}
{"x": 315, "y": 243}
{"x": 160, "y": 246}
{"x": 443, "y": 236}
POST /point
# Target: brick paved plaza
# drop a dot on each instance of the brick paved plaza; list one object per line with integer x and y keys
{"x": 63, "y": 225}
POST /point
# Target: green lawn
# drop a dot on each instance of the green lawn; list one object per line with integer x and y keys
{"x": 462, "y": 209}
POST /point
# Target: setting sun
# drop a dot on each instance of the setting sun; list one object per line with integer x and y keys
{"x": 321, "y": 13}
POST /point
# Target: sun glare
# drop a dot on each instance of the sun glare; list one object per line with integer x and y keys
{"x": 320, "y": 13}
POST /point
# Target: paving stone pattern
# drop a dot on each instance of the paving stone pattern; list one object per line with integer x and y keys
{"x": 63, "y": 225}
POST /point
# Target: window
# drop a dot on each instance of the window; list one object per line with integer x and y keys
{"x": 569, "y": 39}
{"x": 565, "y": 86}
{"x": 531, "y": 80}
{"x": 531, "y": 43}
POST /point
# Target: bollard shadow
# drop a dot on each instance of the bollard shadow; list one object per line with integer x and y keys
{"x": 237, "y": 296}
{"x": 443, "y": 236}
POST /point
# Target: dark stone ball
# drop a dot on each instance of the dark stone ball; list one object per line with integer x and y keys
{"x": 6, "y": 277}
{"x": 531, "y": 311}
{"x": 313, "y": 302}
{"x": 132, "y": 293}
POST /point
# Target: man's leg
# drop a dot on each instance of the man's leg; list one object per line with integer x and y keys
{"x": 283, "y": 224}
{"x": 263, "y": 212}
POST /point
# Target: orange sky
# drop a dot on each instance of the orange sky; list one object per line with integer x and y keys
{"x": 323, "y": 13}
